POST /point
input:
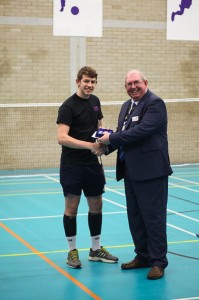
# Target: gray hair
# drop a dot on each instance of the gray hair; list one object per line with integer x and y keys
{"x": 141, "y": 75}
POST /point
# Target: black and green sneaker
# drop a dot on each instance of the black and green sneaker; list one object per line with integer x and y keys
{"x": 73, "y": 259}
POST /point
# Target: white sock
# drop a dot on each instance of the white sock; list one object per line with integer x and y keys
{"x": 71, "y": 242}
{"x": 95, "y": 242}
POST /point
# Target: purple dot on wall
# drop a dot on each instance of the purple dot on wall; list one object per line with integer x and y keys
{"x": 75, "y": 10}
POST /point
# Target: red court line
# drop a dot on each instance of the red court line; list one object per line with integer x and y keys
{"x": 51, "y": 263}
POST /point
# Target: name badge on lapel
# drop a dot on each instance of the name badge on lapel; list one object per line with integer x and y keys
{"x": 134, "y": 119}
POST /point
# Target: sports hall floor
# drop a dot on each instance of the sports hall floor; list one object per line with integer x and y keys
{"x": 33, "y": 249}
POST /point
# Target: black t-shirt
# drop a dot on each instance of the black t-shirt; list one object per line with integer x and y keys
{"x": 82, "y": 116}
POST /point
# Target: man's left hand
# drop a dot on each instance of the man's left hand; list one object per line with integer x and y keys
{"x": 104, "y": 139}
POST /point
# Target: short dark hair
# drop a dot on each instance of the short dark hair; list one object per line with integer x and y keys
{"x": 86, "y": 70}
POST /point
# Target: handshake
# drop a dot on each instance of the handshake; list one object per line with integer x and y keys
{"x": 102, "y": 140}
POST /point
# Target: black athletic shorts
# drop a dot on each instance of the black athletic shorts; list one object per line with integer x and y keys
{"x": 90, "y": 179}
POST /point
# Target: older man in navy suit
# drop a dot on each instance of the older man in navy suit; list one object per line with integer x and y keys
{"x": 143, "y": 162}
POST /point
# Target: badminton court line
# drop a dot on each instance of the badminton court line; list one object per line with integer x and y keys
{"x": 185, "y": 180}
{"x": 112, "y": 202}
{"x": 123, "y": 206}
{"x": 182, "y": 215}
{"x": 192, "y": 298}
{"x": 86, "y": 249}
{"x": 184, "y": 187}
{"x": 50, "y": 262}
{"x": 59, "y": 216}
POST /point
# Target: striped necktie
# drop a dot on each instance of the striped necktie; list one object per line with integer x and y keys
{"x": 129, "y": 111}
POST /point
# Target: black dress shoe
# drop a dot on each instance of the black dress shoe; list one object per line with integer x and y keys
{"x": 155, "y": 273}
{"x": 135, "y": 264}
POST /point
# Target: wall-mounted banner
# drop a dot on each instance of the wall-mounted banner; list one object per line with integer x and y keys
{"x": 183, "y": 20}
{"x": 77, "y": 18}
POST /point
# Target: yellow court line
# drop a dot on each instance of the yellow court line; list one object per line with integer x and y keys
{"x": 87, "y": 249}
{"x": 51, "y": 263}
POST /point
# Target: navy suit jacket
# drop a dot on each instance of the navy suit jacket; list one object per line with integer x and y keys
{"x": 144, "y": 140}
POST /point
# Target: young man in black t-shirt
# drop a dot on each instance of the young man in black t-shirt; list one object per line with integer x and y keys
{"x": 78, "y": 118}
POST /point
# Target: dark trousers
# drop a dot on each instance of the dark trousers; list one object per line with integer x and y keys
{"x": 146, "y": 210}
